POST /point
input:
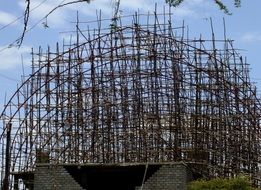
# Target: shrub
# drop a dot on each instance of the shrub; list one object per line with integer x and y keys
{"x": 237, "y": 183}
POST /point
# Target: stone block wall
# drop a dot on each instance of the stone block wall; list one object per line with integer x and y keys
{"x": 172, "y": 176}
{"x": 168, "y": 177}
{"x": 50, "y": 177}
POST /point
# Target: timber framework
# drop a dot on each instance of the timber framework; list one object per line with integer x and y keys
{"x": 137, "y": 93}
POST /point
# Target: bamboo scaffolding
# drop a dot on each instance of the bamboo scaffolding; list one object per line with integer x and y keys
{"x": 134, "y": 93}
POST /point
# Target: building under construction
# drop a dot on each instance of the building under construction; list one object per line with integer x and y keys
{"x": 131, "y": 98}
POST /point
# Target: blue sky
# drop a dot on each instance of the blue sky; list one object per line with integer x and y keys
{"x": 243, "y": 26}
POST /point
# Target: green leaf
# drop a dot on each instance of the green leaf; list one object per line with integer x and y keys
{"x": 219, "y": 3}
{"x": 174, "y": 3}
{"x": 222, "y": 7}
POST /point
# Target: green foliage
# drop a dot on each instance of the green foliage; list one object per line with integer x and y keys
{"x": 174, "y": 3}
{"x": 219, "y": 3}
{"x": 237, "y": 183}
{"x": 237, "y": 3}
{"x": 222, "y": 6}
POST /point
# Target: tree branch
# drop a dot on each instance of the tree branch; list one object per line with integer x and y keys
{"x": 26, "y": 19}
{"x": 219, "y": 3}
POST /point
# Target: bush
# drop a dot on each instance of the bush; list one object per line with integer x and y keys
{"x": 237, "y": 183}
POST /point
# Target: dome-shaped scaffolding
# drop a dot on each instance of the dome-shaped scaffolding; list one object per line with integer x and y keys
{"x": 130, "y": 94}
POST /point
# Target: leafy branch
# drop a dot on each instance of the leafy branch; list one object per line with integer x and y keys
{"x": 219, "y": 3}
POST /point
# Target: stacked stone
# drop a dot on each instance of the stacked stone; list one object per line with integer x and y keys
{"x": 168, "y": 177}
{"x": 50, "y": 177}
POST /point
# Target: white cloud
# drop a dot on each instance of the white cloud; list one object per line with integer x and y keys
{"x": 251, "y": 37}
{"x": 192, "y": 9}
{"x": 62, "y": 15}
{"x": 90, "y": 9}
{"x": 11, "y": 57}
{"x": 183, "y": 12}
{"x": 6, "y": 18}
{"x": 55, "y": 19}
{"x": 134, "y": 5}
{"x": 195, "y": 2}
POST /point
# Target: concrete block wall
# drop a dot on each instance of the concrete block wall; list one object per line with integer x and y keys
{"x": 168, "y": 177}
{"x": 50, "y": 177}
